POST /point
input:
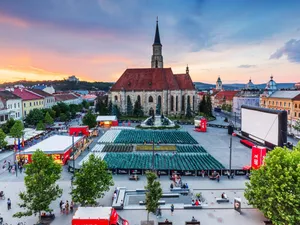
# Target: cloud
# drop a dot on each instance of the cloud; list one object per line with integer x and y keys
{"x": 246, "y": 66}
{"x": 291, "y": 50}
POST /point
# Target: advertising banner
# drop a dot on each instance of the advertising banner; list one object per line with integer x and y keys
{"x": 163, "y": 172}
{"x": 122, "y": 171}
{"x": 258, "y": 156}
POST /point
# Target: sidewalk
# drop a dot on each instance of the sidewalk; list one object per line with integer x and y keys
{"x": 4, "y": 155}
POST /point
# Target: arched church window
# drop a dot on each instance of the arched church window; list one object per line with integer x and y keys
{"x": 116, "y": 98}
{"x": 193, "y": 103}
{"x": 176, "y": 103}
{"x": 183, "y": 103}
{"x": 159, "y": 100}
{"x": 150, "y": 99}
{"x": 139, "y": 99}
{"x": 172, "y": 103}
{"x": 156, "y": 64}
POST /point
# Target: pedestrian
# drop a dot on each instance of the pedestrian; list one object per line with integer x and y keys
{"x": 158, "y": 174}
{"x": 71, "y": 206}
{"x": 67, "y": 207}
{"x": 172, "y": 209}
{"x": 203, "y": 173}
{"x": 60, "y": 205}
{"x": 218, "y": 177}
{"x": 20, "y": 168}
{"x": 228, "y": 174}
{"x": 63, "y": 207}
{"x": 8, "y": 204}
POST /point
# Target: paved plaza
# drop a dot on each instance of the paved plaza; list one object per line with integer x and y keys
{"x": 215, "y": 141}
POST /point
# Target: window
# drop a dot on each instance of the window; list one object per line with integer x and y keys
{"x": 289, "y": 112}
{"x": 29, "y": 103}
{"x": 295, "y": 114}
{"x": 273, "y": 103}
{"x": 15, "y": 105}
{"x": 24, "y": 104}
{"x": 150, "y": 99}
{"x": 280, "y": 103}
{"x": 276, "y": 103}
{"x": 284, "y": 104}
{"x": 176, "y": 103}
{"x": 269, "y": 102}
{"x": 182, "y": 103}
{"x": 172, "y": 103}
{"x": 116, "y": 98}
{"x": 296, "y": 106}
{"x": 299, "y": 114}
{"x": 139, "y": 99}
{"x": 25, "y": 113}
{"x": 264, "y": 102}
{"x": 18, "y": 104}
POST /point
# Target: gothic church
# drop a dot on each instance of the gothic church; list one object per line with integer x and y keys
{"x": 155, "y": 86}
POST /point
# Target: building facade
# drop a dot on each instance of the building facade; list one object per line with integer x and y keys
{"x": 250, "y": 96}
{"x": 10, "y": 106}
{"x": 223, "y": 98}
{"x": 49, "y": 99}
{"x": 30, "y": 100}
{"x": 156, "y": 88}
{"x": 68, "y": 98}
{"x": 45, "y": 88}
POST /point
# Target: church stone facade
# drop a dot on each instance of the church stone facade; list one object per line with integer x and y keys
{"x": 155, "y": 85}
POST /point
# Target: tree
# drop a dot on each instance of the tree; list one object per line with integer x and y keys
{"x": 85, "y": 104}
{"x": 41, "y": 126}
{"x": 89, "y": 119}
{"x": 202, "y": 105}
{"x": 275, "y": 187}
{"x": 101, "y": 107}
{"x": 129, "y": 107}
{"x": 91, "y": 182}
{"x": 109, "y": 107}
{"x": 34, "y": 116}
{"x": 48, "y": 119}
{"x": 297, "y": 125}
{"x": 154, "y": 193}
{"x": 3, "y": 143}
{"x": 188, "y": 110}
{"x": 51, "y": 112}
{"x": 116, "y": 111}
{"x": 41, "y": 187}
{"x": 63, "y": 117}
{"x": 17, "y": 130}
{"x": 138, "y": 109}
{"x": 8, "y": 125}
{"x": 208, "y": 105}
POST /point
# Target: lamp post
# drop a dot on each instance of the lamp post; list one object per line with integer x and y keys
{"x": 73, "y": 153}
{"x": 230, "y": 152}
{"x": 153, "y": 155}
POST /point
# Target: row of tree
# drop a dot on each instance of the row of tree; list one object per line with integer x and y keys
{"x": 205, "y": 106}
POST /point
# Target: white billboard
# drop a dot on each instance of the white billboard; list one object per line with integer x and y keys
{"x": 262, "y": 126}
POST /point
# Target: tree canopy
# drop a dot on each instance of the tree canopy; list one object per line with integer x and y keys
{"x": 129, "y": 107}
{"x": 188, "y": 113}
{"x": 17, "y": 129}
{"x": 8, "y": 125}
{"x": 89, "y": 119}
{"x": 138, "y": 109}
{"x": 275, "y": 187}
{"x": 3, "y": 143}
{"x": 85, "y": 104}
{"x": 48, "y": 119}
{"x": 41, "y": 187}
{"x": 34, "y": 116}
{"x": 41, "y": 126}
{"x": 116, "y": 111}
{"x": 154, "y": 193}
{"x": 91, "y": 182}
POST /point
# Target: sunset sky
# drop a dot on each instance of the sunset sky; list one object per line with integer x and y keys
{"x": 96, "y": 40}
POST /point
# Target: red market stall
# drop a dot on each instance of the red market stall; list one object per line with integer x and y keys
{"x": 79, "y": 130}
{"x": 58, "y": 146}
{"x": 201, "y": 125}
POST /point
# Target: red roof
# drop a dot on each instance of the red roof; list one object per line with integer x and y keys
{"x": 184, "y": 81}
{"x": 25, "y": 94}
{"x": 226, "y": 95}
{"x": 64, "y": 97}
{"x": 151, "y": 79}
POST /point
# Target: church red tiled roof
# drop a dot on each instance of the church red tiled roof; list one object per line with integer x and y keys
{"x": 151, "y": 79}
{"x": 184, "y": 81}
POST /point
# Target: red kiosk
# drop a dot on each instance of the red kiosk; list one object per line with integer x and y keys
{"x": 258, "y": 156}
{"x": 79, "y": 130}
{"x": 201, "y": 125}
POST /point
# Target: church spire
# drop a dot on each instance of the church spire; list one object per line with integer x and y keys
{"x": 187, "y": 70}
{"x": 157, "y": 37}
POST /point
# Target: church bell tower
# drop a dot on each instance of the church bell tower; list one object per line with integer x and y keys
{"x": 157, "y": 58}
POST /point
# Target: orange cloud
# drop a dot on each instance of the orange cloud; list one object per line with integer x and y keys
{"x": 104, "y": 59}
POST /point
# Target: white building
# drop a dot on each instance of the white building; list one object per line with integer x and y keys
{"x": 68, "y": 98}
{"x": 72, "y": 79}
{"x": 10, "y": 106}
{"x": 49, "y": 99}
{"x": 45, "y": 88}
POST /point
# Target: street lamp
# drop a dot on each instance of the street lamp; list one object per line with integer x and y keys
{"x": 73, "y": 153}
{"x": 153, "y": 155}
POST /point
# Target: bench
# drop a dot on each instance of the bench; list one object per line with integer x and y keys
{"x": 171, "y": 195}
{"x": 179, "y": 189}
{"x": 165, "y": 223}
{"x": 192, "y": 223}
{"x": 160, "y": 202}
{"x": 119, "y": 202}
{"x": 187, "y": 206}
{"x": 220, "y": 200}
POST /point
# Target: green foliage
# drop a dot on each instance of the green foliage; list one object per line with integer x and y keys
{"x": 51, "y": 112}
{"x": 85, "y": 104}
{"x": 101, "y": 107}
{"x": 188, "y": 110}
{"x": 202, "y": 105}
{"x": 89, "y": 119}
{"x": 226, "y": 107}
{"x": 297, "y": 125}
{"x": 48, "y": 119}
{"x": 41, "y": 187}
{"x": 138, "y": 109}
{"x": 17, "y": 130}
{"x": 275, "y": 187}
{"x": 154, "y": 193}
{"x": 41, "y": 126}
{"x": 208, "y": 105}
{"x": 91, "y": 182}
{"x": 34, "y": 116}
{"x": 116, "y": 111}
{"x": 8, "y": 125}
{"x": 3, "y": 143}
{"x": 129, "y": 107}
{"x": 56, "y": 109}
{"x": 158, "y": 108}
{"x": 63, "y": 117}
{"x": 109, "y": 107}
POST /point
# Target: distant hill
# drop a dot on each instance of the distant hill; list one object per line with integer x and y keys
{"x": 63, "y": 85}
{"x": 205, "y": 86}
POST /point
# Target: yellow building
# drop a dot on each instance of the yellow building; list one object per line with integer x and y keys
{"x": 30, "y": 100}
{"x": 284, "y": 100}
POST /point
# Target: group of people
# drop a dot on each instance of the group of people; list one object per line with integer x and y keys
{"x": 65, "y": 207}
{"x": 177, "y": 180}
{"x": 11, "y": 167}
{"x": 196, "y": 203}
{"x": 223, "y": 195}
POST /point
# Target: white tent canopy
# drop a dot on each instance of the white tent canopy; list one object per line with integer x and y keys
{"x": 106, "y": 118}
